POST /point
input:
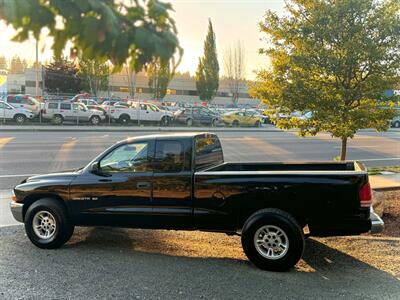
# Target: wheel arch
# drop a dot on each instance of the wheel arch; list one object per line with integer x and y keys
{"x": 30, "y": 199}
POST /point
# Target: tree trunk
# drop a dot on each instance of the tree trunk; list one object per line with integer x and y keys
{"x": 343, "y": 149}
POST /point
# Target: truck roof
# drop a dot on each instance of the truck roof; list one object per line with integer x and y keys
{"x": 171, "y": 135}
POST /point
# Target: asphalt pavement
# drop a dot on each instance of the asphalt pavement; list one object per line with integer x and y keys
{"x": 107, "y": 263}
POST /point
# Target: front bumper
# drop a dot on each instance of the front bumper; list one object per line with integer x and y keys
{"x": 377, "y": 224}
{"x": 17, "y": 211}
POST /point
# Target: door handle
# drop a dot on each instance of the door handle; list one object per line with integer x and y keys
{"x": 105, "y": 180}
{"x": 143, "y": 185}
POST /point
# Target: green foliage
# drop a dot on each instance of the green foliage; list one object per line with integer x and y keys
{"x": 159, "y": 75}
{"x": 333, "y": 58}
{"x": 100, "y": 29}
{"x": 61, "y": 77}
{"x": 207, "y": 74}
{"x": 17, "y": 65}
{"x": 93, "y": 75}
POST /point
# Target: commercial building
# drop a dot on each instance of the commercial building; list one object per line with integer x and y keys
{"x": 182, "y": 88}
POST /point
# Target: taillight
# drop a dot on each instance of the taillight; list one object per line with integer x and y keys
{"x": 365, "y": 195}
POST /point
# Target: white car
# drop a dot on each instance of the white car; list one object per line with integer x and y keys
{"x": 58, "y": 112}
{"x": 145, "y": 112}
{"x": 24, "y": 101}
{"x": 18, "y": 114}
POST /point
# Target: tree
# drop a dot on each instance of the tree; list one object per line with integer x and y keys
{"x": 235, "y": 69}
{"x": 93, "y": 75}
{"x": 3, "y": 63}
{"x": 159, "y": 74}
{"x": 17, "y": 65}
{"x": 61, "y": 76}
{"x": 207, "y": 74}
{"x": 131, "y": 78}
{"x": 101, "y": 29}
{"x": 333, "y": 58}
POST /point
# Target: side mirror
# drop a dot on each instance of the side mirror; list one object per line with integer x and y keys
{"x": 95, "y": 168}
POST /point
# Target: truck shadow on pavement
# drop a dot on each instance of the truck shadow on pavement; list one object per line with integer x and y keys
{"x": 108, "y": 263}
{"x": 213, "y": 247}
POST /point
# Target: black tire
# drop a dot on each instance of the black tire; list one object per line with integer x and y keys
{"x": 235, "y": 123}
{"x": 258, "y": 124}
{"x": 64, "y": 228}
{"x": 19, "y": 119}
{"x": 213, "y": 123}
{"x": 276, "y": 218}
{"x": 57, "y": 119}
{"x": 396, "y": 124}
{"x": 124, "y": 119}
{"x": 164, "y": 121}
{"x": 189, "y": 122}
{"x": 95, "y": 120}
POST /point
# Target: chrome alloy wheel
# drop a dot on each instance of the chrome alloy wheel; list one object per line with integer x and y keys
{"x": 44, "y": 225}
{"x": 271, "y": 242}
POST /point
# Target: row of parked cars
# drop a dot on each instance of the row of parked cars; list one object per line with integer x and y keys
{"x": 21, "y": 108}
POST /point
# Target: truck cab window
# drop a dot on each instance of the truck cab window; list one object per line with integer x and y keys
{"x": 127, "y": 158}
{"x": 208, "y": 152}
{"x": 169, "y": 157}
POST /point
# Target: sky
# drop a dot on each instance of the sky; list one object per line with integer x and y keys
{"x": 233, "y": 20}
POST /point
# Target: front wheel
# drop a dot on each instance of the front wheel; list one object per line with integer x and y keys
{"x": 273, "y": 240}
{"x": 396, "y": 124}
{"x": 20, "y": 119}
{"x": 47, "y": 224}
{"x": 165, "y": 121}
{"x": 95, "y": 120}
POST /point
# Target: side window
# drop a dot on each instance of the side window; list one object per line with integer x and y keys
{"x": 65, "y": 106}
{"x": 14, "y": 99}
{"x": 53, "y": 105}
{"x": 208, "y": 152}
{"x": 127, "y": 158}
{"x": 169, "y": 157}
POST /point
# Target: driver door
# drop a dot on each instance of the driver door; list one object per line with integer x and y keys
{"x": 121, "y": 193}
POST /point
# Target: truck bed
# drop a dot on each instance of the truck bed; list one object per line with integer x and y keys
{"x": 287, "y": 166}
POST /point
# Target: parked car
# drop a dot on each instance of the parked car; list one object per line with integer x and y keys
{"x": 180, "y": 181}
{"x": 18, "y": 114}
{"x": 91, "y": 104}
{"x": 24, "y": 101}
{"x": 58, "y": 112}
{"x": 196, "y": 116}
{"x": 242, "y": 118}
{"x": 395, "y": 122}
{"x": 150, "y": 113}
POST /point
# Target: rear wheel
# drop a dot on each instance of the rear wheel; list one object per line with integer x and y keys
{"x": 95, "y": 120}
{"x": 396, "y": 124}
{"x": 124, "y": 119}
{"x": 273, "y": 240}
{"x": 57, "y": 120}
{"x": 47, "y": 224}
{"x": 20, "y": 119}
{"x": 235, "y": 123}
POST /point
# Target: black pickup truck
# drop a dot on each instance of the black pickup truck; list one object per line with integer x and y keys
{"x": 180, "y": 181}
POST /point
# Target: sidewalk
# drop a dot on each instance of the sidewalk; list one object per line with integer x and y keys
{"x": 385, "y": 182}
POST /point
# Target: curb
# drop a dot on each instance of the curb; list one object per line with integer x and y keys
{"x": 387, "y": 189}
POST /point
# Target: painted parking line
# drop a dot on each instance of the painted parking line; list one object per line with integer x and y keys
{"x": 5, "y": 141}
{"x": 379, "y": 159}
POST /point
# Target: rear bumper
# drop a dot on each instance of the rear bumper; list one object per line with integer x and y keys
{"x": 377, "y": 224}
{"x": 17, "y": 211}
